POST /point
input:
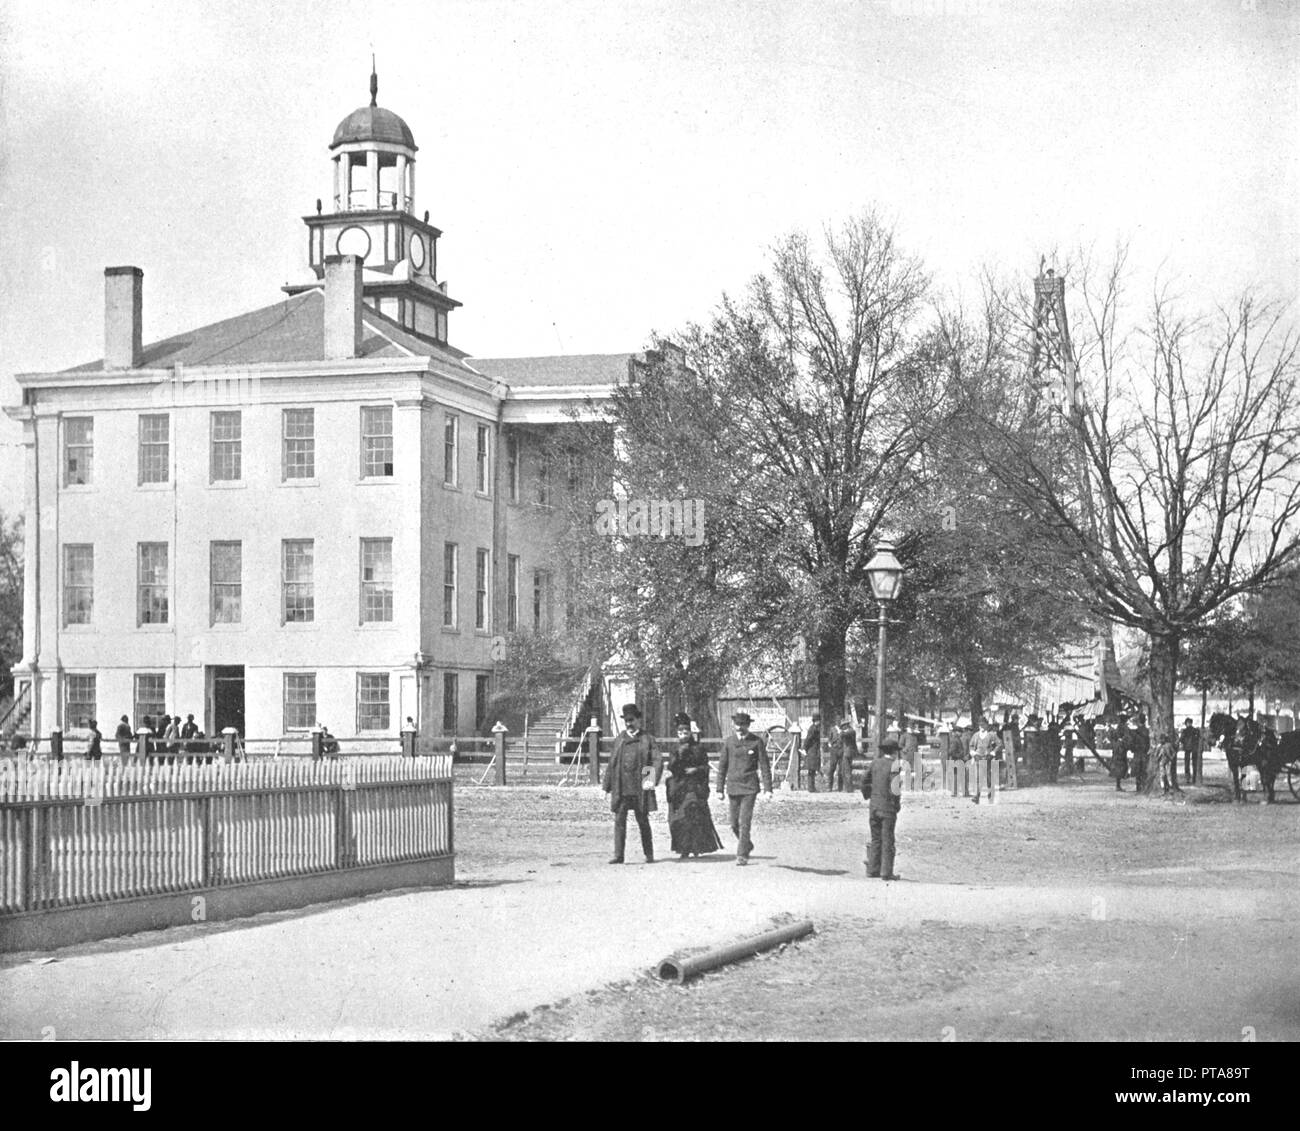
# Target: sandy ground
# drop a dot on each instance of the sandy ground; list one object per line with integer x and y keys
{"x": 1066, "y": 912}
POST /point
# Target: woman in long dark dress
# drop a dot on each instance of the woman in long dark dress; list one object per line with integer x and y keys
{"x": 689, "y": 820}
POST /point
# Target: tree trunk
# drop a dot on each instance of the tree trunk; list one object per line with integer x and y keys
{"x": 1205, "y": 699}
{"x": 976, "y": 706}
{"x": 831, "y": 678}
{"x": 1164, "y": 680}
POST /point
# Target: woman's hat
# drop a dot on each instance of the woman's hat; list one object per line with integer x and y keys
{"x": 681, "y": 719}
{"x": 631, "y": 711}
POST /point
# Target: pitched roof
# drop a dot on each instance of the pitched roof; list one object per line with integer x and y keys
{"x": 288, "y": 331}
{"x": 560, "y": 369}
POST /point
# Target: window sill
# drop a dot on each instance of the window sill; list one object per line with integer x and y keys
{"x": 451, "y": 487}
{"x": 78, "y": 488}
{"x": 76, "y": 629}
{"x": 451, "y": 631}
{"x": 299, "y": 625}
{"x": 377, "y": 625}
{"x": 312, "y": 482}
{"x": 375, "y": 480}
{"x": 165, "y": 485}
{"x": 154, "y": 627}
{"x": 227, "y": 484}
{"x": 483, "y": 495}
{"x": 227, "y": 626}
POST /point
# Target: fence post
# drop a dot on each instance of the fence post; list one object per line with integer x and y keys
{"x": 228, "y": 737}
{"x": 317, "y": 744}
{"x": 142, "y": 737}
{"x": 408, "y": 741}
{"x": 56, "y": 744}
{"x": 499, "y": 751}
{"x": 593, "y": 751}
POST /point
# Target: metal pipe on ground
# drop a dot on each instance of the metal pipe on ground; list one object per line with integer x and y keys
{"x": 679, "y": 969}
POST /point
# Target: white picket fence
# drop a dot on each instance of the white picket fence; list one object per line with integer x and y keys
{"x": 23, "y": 780}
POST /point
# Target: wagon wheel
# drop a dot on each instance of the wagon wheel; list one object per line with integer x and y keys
{"x": 780, "y": 748}
{"x": 1293, "y": 778}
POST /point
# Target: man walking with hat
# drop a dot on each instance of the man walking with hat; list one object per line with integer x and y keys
{"x": 812, "y": 751}
{"x": 882, "y": 787}
{"x": 630, "y": 778}
{"x": 742, "y": 761}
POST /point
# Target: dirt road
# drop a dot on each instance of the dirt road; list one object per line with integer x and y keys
{"x": 1059, "y": 913}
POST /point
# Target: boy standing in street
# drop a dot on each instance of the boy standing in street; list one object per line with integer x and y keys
{"x": 882, "y": 787}
{"x": 742, "y": 761}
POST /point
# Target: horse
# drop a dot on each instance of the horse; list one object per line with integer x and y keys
{"x": 1246, "y": 743}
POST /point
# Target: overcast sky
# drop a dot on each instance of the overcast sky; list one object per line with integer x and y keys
{"x": 608, "y": 168}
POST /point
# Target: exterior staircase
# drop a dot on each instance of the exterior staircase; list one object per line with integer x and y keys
{"x": 13, "y": 719}
{"x": 555, "y": 737}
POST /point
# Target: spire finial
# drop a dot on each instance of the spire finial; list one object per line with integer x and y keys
{"x": 374, "y": 80}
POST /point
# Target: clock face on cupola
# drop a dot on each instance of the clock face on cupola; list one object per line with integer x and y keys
{"x": 373, "y": 165}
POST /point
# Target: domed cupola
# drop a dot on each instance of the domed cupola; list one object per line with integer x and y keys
{"x": 374, "y": 159}
{"x": 373, "y": 155}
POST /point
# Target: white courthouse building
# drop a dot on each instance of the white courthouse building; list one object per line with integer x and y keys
{"x": 318, "y": 510}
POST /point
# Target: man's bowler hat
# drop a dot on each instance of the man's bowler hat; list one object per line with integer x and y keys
{"x": 741, "y": 717}
{"x": 631, "y": 711}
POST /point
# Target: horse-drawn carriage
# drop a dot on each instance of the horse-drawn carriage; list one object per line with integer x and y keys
{"x": 1245, "y": 742}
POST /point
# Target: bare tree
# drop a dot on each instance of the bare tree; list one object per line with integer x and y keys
{"x": 1184, "y": 449}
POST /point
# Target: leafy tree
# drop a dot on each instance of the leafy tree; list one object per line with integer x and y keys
{"x": 799, "y": 417}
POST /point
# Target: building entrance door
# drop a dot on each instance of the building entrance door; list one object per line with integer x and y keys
{"x": 225, "y": 698}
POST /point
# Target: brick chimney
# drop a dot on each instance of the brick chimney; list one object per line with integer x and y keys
{"x": 342, "y": 306}
{"x": 123, "y": 330}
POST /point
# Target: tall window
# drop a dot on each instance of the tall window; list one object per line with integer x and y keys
{"x": 226, "y": 573}
{"x": 481, "y": 462}
{"x": 543, "y": 481}
{"x": 450, "y": 702}
{"x": 512, "y": 465}
{"x": 155, "y": 448}
{"x": 541, "y": 601}
{"x": 481, "y": 685}
{"x": 151, "y": 583}
{"x": 376, "y": 580}
{"x": 299, "y": 700}
{"x": 299, "y": 461}
{"x": 150, "y": 697}
{"x": 450, "y": 446}
{"x": 78, "y": 450}
{"x": 297, "y": 581}
{"x": 226, "y": 459}
{"x": 372, "y": 701}
{"x": 450, "y": 554}
{"x": 78, "y": 701}
{"x": 481, "y": 579}
{"x": 376, "y": 441}
{"x": 512, "y": 593}
{"x": 78, "y": 584}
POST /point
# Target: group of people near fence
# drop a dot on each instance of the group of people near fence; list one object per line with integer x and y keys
{"x": 636, "y": 768}
{"x": 172, "y": 737}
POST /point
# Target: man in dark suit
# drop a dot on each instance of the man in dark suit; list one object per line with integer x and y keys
{"x": 882, "y": 787}
{"x": 634, "y": 769}
{"x": 742, "y": 761}
{"x": 1189, "y": 739}
{"x": 812, "y": 751}
{"x": 123, "y": 734}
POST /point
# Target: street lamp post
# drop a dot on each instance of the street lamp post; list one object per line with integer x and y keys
{"x": 885, "y": 572}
